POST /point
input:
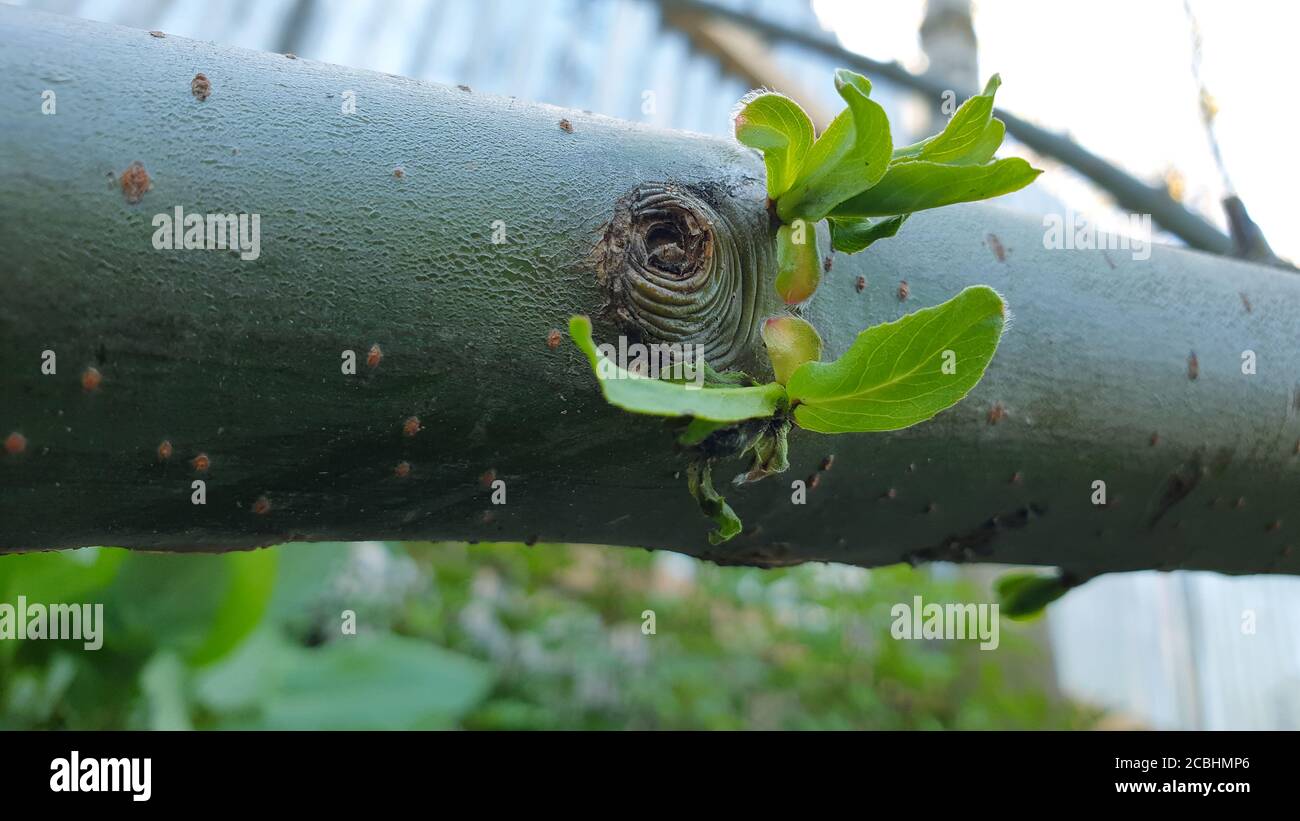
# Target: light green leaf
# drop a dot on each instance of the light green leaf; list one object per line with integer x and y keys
{"x": 699, "y": 480}
{"x": 918, "y": 185}
{"x": 374, "y": 681}
{"x": 778, "y": 127}
{"x": 851, "y": 235}
{"x": 1023, "y": 596}
{"x": 249, "y": 588}
{"x": 970, "y": 138}
{"x": 849, "y": 157}
{"x": 659, "y": 397}
{"x": 893, "y": 375}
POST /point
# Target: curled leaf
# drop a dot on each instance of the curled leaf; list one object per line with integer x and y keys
{"x": 699, "y": 480}
{"x": 851, "y": 235}
{"x": 775, "y": 125}
{"x": 771, "y": 454}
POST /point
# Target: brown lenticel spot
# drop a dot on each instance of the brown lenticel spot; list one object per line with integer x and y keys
{"x": 489, "y": 476}
{"x": 200, "y": 87}
{"x": 860, "y": 284}
{"x": 999, "y": 250}
{"x": 375, "y": 356}
{"x": 566, "y": 126}
{"x": 15, "y": 443}
{"x": 135, "y": 182}
{"x": 156, "y": 33}
{"x": 997, "y": 413}
{"x": 402, "y": 470}
{"x": 262, "y": 506}
{"x": 1193, "y": 366}
{"x": 903, "y": 290}
{"x": 201, "y": 463}
{"x": 91, "y": 379}
{"x": 827, "y": 263}
{"x": 553, "y": 339}
{"x": 164, "y": 450}
{"x": 411, "y": 426}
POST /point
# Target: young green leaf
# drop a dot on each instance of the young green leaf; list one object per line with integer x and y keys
{"x": 848, "y": 158}
{"x": 771, "y": 454}
{"x": 699, "y": 480}
{"x": 970, "y": 138}
{"x": 659, "y": 397}
{"x": 790, "y": 342}
{"x": 798, "y": 262}
{"x": 903, "y": 372}
{"x": 1024, "y": 595}
{"x": 918, "y": 185}
{"x": 851, "y": 235}
{"x": 778, "y": 127}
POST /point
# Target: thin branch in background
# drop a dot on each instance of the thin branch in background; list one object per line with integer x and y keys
{"x": 1129, "y": 192}
{"x": 1247, "y": 237}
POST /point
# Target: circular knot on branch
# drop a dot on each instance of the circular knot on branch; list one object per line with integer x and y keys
{"x": 677, "y": 269}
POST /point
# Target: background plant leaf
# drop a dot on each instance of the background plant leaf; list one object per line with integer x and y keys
{"x": 775, "y": 125}
{"x": 891, "y": 377}
{"x": 659, "y": 397}
{"x": 1023, "y": 596}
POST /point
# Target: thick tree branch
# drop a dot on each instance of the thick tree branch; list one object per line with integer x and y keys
{"x": 240, "y": 360}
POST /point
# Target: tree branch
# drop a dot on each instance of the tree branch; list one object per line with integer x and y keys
{"x": 239, "y": 360}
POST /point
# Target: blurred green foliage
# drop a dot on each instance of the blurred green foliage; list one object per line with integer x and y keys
{"x": 500, "y": 636}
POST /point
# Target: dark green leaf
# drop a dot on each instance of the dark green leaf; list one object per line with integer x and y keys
{"x": 699, "y": 480}
{"x": 851, "y": 235}
{"x": 1025, "y": 595}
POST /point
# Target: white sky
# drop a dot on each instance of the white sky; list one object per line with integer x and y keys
{"x": 1116, "y": 74}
